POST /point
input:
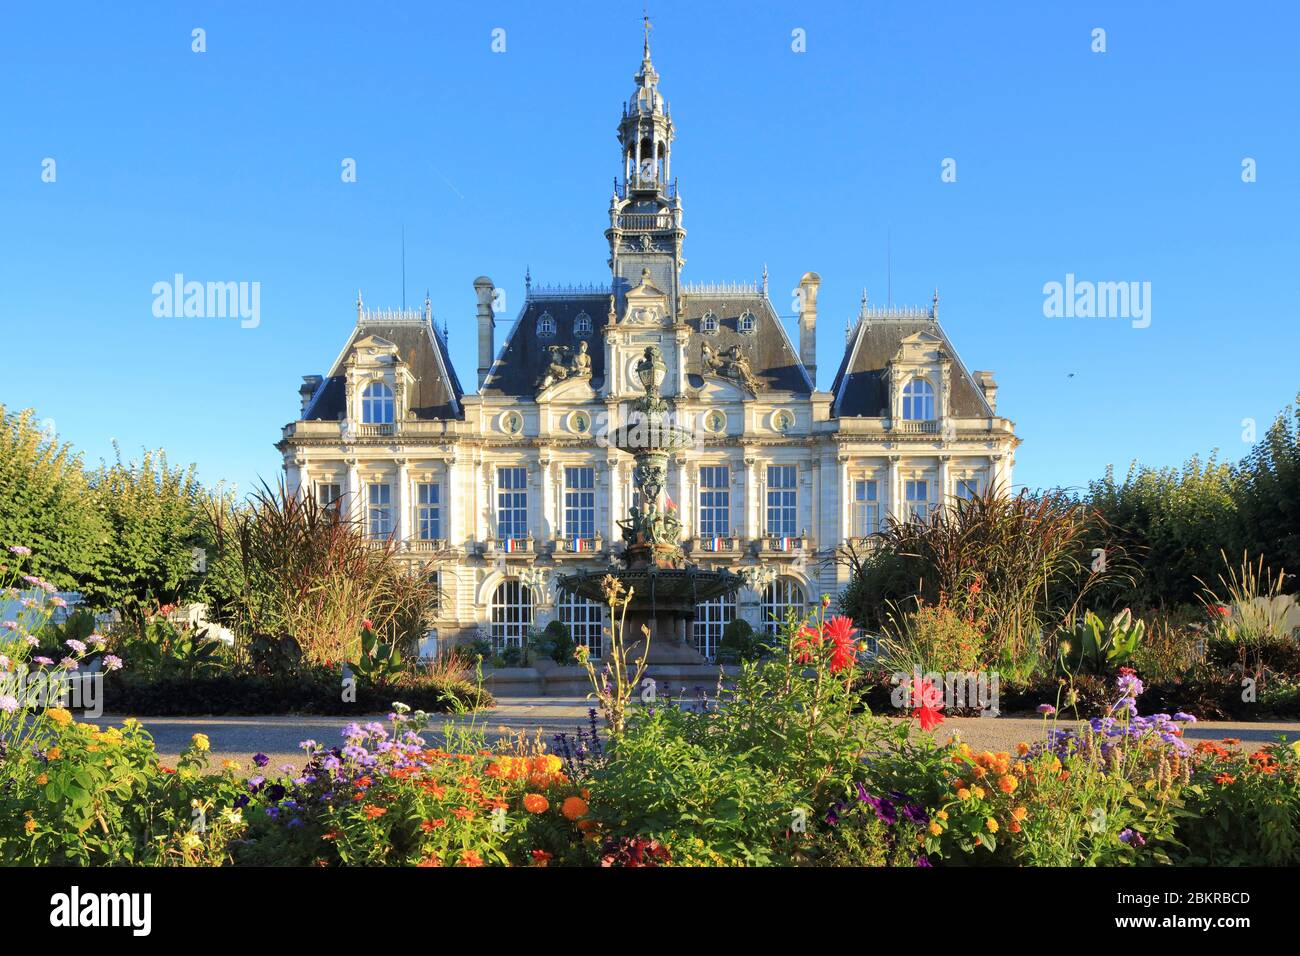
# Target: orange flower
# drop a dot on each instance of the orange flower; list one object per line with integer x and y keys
{"x": 428, "y": 826}
{"x": 1008, "y": 783}
{"x": 1014, "y": 826}
{"x": 1231, "y": 741}
{"x": 1022, "y": 748}
{"x": 374, "y": 812}
{"x": 470, "y": 858}
{"x": 541, "y": 858}
{"x": 330, "y": 835}
{"x": 54, "y": 753}
{"x": 1225, "y": 779}
{"x": 431, "y": 860}
{"x": 1019, "y": 813}
{"x": 462, "y": 813}
{"x": 536, "y": 803}
{"x": 574, "y": 808}
{"x": 364, "y": 782}
{"x": 979, "y": 773}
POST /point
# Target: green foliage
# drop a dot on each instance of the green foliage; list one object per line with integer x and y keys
{"x": 1246, "y": 810}
{"x": 379, "y": 662}
{"x": 158, "y": 648}
{"x": 46, "y": 504}
{"x": 553, "y": 642}
{"x": 155, "y": 517}
{"x": 1095, "y": 647}
{"x": 933, "y": 638}
{"x": 1269, "y": 478}
{"x": 740, "y": 643}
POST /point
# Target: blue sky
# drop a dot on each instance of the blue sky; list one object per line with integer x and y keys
{"x": 225, "y": 166}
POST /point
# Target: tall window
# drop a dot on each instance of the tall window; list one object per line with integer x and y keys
{"x": 428, "y": 514}
{"x": 918, "y": 401}
{"x": 329, "y": 497}
{"x": 579, "y": 502}
{"x": 582, "y": 324}
{"x": 711, "y": 619}
{"x": 866, "y": 507}
{"x": 715, "y": 502}
{"x": 512, "y": 503}
{"x": 968, "y": 488}
{"x": 379, "y": 511}
{"x": 512, "y": 614}
{"x": 916, "y": 491}
{"x": 779, "y": 598}
{"x": 584, "y": 619}
{"x": 782, "y": 499}
{"x": 377, "y": 404}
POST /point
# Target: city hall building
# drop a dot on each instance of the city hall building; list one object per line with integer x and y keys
{"x": 501, "y": 491}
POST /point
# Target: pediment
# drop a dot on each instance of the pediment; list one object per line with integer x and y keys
{"x": 577, "y": 390}
{"x": 373, "y": 347}
{"x": 646, "y": 304}
{"x": 718, "y": 389}
{"x": 920, "y": 347}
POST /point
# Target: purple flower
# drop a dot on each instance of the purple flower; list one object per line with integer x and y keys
{"x": 112, "y": 662}
{"x": 1046, "y": 709}
{"x": 19, "y": 550}
{"x": 43, "y": 661}
{"x": 1184, "y": 718}
{"x": 1132, "y": 837}
{"x": 261, "y": 759}
{"x": 8, "y": 703}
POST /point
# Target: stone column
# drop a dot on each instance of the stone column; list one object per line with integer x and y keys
{"x": 751, "y": 494}
{"x": 944, "y": 492}
{"x": 454, "y": 522}
{"x": 402, "y": 524}
{"x": 895, "y": 489}
{"x": 355, "y": 501}
{"x": 845, "y": 529}
{"x": 681, "y": 496}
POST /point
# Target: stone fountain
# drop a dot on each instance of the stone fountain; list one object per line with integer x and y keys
{"x": 665, "y": 588}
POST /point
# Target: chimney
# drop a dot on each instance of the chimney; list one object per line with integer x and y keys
{"x": 483, "y": 288}
{"x": 308, "y": 389}
{"x": 808, "y": 286}
{"x": 988, "y": 387}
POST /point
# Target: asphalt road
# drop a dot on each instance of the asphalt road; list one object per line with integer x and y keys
{"x": 238, "y": 738}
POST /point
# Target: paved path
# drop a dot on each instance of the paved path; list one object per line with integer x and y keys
{"x": 238, "y": 738}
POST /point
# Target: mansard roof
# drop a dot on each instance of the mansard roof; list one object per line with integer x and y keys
{"x": 861, "y": 386}
{"x": 773, "y": 360}
{"x": 524, "y": 356}
{"x": 437, "y": 392}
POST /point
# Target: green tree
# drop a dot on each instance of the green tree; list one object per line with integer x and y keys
{"x": 156, "y": 516}
{"x": 46, "y": 503}
{"x": 1270, "y": 483}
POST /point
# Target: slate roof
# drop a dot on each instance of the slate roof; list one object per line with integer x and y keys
{"x": 772, "y": 358}
{"x": 437, "y": 391}
{"x": 861, "y": 386}
{"x": 524, "y": 356}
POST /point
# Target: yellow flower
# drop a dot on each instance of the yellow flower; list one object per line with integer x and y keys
{"x": 59, "y": 716}
{"x": 1022, "y": 748}
{"x": 30, "y": 826}
{"x": 963, "y": 794}
{"x": 942, "y": 814}
{"x": 935, "y": 829}
{"x": 43, "y": 779}
{"x": 1019, "y": 813}
{"x": 992, "y": 825}
{"x": 230, "y": 764}
{"x": 978, "y": 792}
{"x": 1008, "y": 784}
{"x": 54, "y": 753}
{"x": 200, "y": 742}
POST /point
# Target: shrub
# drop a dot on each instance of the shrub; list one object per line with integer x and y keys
{"x": 1245, "y": 810}
{"x": 740, "y": 643}
{"x": 553, "y": 643}
{"x": 933, "y": 638}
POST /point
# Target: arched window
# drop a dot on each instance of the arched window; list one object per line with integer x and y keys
{"x": 746, "y": 321}
{"x": 918, "y": 401}
{"x": 584, "y": 619}
{"x": 512, "y": 614}
{"x": 546, "y": 326}
{"x": 709, "y": 323}
{"x": 377, "y": 404}
{"x": 780, "y": 597}
{"x": 582, "y": 324}
{"x": 711, "y": 619}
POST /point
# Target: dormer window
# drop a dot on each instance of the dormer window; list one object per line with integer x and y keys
{"x": 581, "y": 324}
{"x": 377, "y": 406}
{"x": 918, "y": 401}
{"x": 746, "y": 321}
{"x": 546, "y": 326}
{"x": 709, "y": 324}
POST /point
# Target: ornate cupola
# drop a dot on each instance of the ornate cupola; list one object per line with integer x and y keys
{"x": 645, "y": 214}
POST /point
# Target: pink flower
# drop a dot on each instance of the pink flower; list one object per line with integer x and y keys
{"x": 844, "y": 648}
{"x": 19, "y": 550}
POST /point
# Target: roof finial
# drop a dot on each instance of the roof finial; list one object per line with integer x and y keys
{"x": 862, "y": 309}
{"x": 764, "y": 278}
{"x": 358, "y": 305}
{"x": 528, "y": 280}
{"x": 934, "y": 310}
{"x": 645, "y": 16}
{"x": 428, "y": 307}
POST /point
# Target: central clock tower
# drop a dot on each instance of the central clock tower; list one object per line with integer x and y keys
{"x": 645, "y": 213}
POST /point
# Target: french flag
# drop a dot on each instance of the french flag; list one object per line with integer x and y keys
{"x": 714, "y": 544}
{"x": 512, "y": 545}
{"x": 787, "y": 544}
{"x": 580, "y": 544}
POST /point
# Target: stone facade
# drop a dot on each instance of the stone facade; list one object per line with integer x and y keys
{"x": 499, "y": 491}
